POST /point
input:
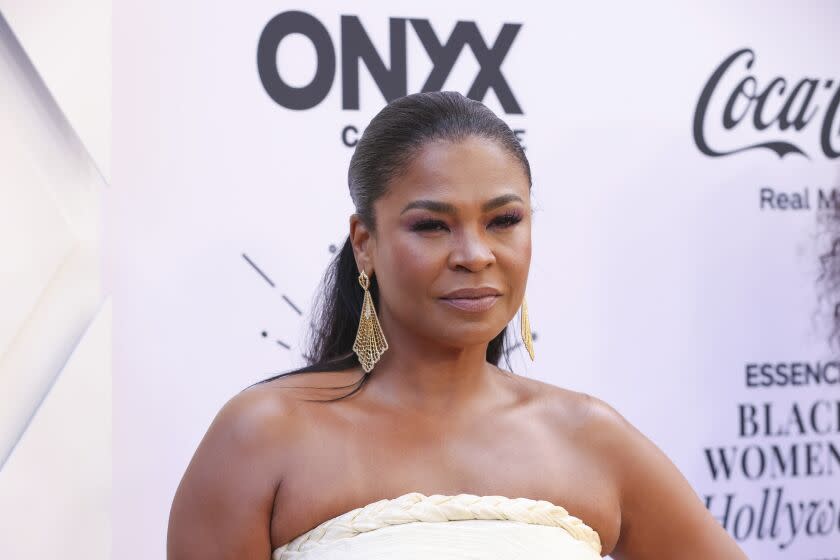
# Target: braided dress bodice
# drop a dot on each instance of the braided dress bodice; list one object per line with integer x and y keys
{"x": 415, "y": 526}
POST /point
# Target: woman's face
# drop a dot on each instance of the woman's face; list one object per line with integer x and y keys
{"x": 458, "y": 217}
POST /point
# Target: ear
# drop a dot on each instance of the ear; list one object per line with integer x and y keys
{"x": 363, "y": 242}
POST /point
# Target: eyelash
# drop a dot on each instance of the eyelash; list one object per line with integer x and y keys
{"x": 508, "y": 219}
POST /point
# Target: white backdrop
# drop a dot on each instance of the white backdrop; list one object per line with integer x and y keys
{"x": 55, "y": 309}
{"x": 676, "y": 280}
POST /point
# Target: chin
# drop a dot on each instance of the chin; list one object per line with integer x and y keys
{"x": 470, "y": 335}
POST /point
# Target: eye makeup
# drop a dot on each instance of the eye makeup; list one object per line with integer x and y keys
{"x": 427, "y": 224}
{"x": 506, "y": 220}
{"x": 509, "y": 218}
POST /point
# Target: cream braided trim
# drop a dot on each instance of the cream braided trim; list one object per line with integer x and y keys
{"x": 415, "y": 506}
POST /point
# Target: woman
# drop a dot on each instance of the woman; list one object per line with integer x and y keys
{"x": 829, "y": 272}
{"x": 433, "y": 431}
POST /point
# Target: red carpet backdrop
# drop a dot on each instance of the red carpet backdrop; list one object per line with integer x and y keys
{"x": 682, "y": 156}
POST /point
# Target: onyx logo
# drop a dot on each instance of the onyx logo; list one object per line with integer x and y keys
{"x": 767, "y": 109}
{"x": 356, "y": 47}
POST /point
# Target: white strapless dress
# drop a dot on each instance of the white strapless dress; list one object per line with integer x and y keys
{"x": 415, "y": 526}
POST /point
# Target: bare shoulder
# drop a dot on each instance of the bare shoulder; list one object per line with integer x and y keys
{"x": 314, "y": 384}
{"x": 581, "y": 412}
{"x": 229, "y": 485}
{"x": 255, "y": 414}
{"x": 266, "y": 415}
{"x": 661, "y": 514}
{"x": 604, "y": 426}
{"x": 569, "y": 408}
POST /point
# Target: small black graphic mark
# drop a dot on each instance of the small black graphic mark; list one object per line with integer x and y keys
{"x": 292, "y": 305}
{"x": 519, "y": 343}
{"x": 280, "y": 342}
{"x": 267, "y": 279}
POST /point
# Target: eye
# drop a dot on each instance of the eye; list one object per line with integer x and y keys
{"x": 508, "y": 219}
{"x": 428, "y": 225}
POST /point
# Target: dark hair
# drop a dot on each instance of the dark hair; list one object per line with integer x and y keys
{"x": 829, "y": 275}
{"x": 392, "y": 139}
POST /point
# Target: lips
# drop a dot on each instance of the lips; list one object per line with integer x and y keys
{"x": 472, "y": 293}
{"x": 472, "y": 299}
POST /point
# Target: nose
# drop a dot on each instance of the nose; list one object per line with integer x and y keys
{"x": 471, "y": 251}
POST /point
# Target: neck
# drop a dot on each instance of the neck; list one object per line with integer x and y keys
{"x": 420, "y": 374}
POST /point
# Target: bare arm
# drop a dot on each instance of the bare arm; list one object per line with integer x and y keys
{"x": 661, "y": 514}
{"x": 222, "y": 508}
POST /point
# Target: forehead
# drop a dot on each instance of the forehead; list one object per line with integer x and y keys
{"x": 473, "y": 169}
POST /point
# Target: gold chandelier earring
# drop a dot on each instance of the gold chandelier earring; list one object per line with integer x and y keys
{"x": 370, "y": 341}
{"x": 525, "y": 327}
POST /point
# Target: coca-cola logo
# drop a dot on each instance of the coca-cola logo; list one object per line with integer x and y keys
{"x": 770, "y": 110}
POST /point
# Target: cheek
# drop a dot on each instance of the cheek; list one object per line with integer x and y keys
{"x": 411, "y": 264}
{"x": 514, "y": 258}
{"x": 516, "y": 251}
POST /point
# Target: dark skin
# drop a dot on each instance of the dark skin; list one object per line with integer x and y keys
{"x": 435, "y": 417}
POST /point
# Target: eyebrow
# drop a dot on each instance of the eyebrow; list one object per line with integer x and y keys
{"x": 446, "y": 208}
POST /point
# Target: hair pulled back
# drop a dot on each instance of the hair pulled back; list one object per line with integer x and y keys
{"x": 389, "y": 143}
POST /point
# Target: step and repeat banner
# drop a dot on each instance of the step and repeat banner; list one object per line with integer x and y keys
{"x": 686, "y": 164}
